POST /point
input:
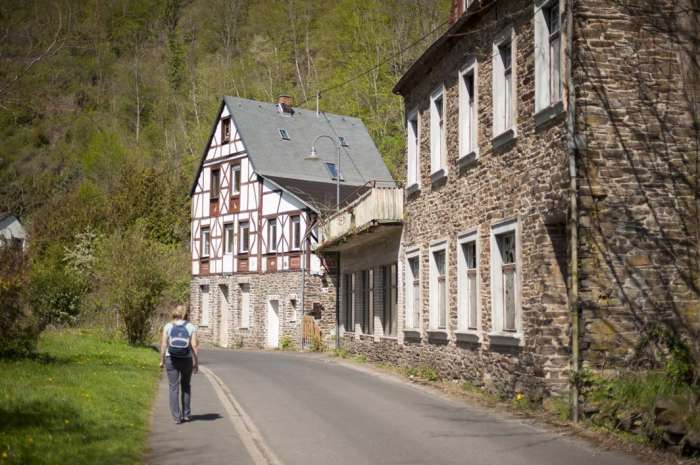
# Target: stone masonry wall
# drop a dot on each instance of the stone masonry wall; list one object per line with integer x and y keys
{"x": 283, "y": 286}
{"x": 637, "y": 107}
{"x": 526, "y": 181}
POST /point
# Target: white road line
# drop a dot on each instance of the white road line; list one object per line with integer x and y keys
{"x": 251, "y": 438}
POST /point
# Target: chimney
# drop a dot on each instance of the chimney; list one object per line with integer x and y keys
{"x": 284, "y": 105}
{"x": 456, "y": 10}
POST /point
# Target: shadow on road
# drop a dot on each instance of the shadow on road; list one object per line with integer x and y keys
{"x": 206, "y": 417}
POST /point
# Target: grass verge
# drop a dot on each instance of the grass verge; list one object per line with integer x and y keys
{"x": 81, "y": 400}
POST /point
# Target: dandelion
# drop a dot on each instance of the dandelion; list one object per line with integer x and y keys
{"x": 519, "y": 396}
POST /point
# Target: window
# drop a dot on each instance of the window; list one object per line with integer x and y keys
{"x": 390, "y": 276}
{"x": 438, "y": 289}
{"x": 296, "y": 232}
{"x": 437, "y": 131}
{"x": 467, "y": 110}
{"x": 245, "y": 305}
{"x": 215, "y": 185}
{"x": 284, "y": 134}
{"x": 547, "y": 55}
{"x": 349, "y": 293}
{"x": 205, "y": 245}
{"x": 228, "y": 238}
{"x": 244, "y": 234}
{"x": 272, "y": 234}
{"x": 292, "y": 310}
{"x": 333, "y": 170}
{"x": 413, "y": 293}
{"x": 413, "y": 176}
{"x": 467, "y": 318}
{"x": 366, "y": 299}
{"x": 226, "y": 130}
{"x": 504, "y": 276}
{"x": 204, "y": 305}
{"x": 236, "y": 179}
{"x": 343, "y": 142}
{"x": 503, "y": 84}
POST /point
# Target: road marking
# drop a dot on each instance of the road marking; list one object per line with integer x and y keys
{"x": 251, "y": 438}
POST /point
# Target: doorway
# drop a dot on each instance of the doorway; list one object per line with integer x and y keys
{"x": 273, "y": 324}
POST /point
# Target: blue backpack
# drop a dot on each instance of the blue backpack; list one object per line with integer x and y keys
{"x": 179, "y": 341}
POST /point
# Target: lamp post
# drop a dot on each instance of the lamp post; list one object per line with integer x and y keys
{"x": 314, "y": 156}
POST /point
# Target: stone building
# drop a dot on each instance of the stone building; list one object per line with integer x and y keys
{"x": 501, "y": 247}
{"x": 267, "y": 172}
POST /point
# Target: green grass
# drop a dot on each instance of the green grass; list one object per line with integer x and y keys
{"x": 81, "y": 400}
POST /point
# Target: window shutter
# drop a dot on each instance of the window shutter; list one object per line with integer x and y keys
{"x": 541, "y": 60}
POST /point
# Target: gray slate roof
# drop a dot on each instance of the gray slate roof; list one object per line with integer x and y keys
{"x": 259, "y": 123}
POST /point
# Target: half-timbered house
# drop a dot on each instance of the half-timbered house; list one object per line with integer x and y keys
{"x": 256, "y": 198}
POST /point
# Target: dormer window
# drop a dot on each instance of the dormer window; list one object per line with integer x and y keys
{"x": 333, "y": 170}
{"x": 284, "y": 134}
{"x": 226, "y": 130}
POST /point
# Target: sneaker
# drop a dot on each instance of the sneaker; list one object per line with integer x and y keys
{"x": 178, "y": 421}
{"x": 186, "y": 418}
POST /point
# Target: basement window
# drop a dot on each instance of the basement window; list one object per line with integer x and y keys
{"x": 284, "y": 134}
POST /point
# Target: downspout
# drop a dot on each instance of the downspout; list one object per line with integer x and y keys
{"x": 573, "y": 217}
{"x": 337, "y": 302}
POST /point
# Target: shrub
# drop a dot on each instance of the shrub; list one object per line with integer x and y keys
{"x": 287, "y": 343}
{"x": 135, "y": 276}
{"x": 55, "y": 291}
{"x": 18, "y": 328}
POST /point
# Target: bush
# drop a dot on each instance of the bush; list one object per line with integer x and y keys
{"x": 287, "y": 343}
{"x": 55, "y": 291}
{"x": 18, "y": 328}
{"x": 135, "y": 276}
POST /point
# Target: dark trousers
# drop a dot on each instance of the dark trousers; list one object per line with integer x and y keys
{"x": 179, "y": 375}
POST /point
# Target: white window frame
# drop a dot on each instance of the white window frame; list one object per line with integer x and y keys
{"x": 497, "y": 305}
{"x": 543, "y": 96}
{"x": 437, "y": 133}
{"x": 229, "y": 243}
{"x": 464, "y": 323}
{"x": 206, "y": 241}
{"x": 410, "y": 320}
{"x": 413, "y": 148}
{"x": 507, "y": 36}
{"x": 241, "y": 249}
{"x": 468, "y": 110}
{"x": 438, "y": 246}
{"x": 272, "y": 222}
{"x": 245, "y": 305}
{"x": 294, "y": 236}
{"x": 204, "y": 305}
{"x": 236, "y": 171}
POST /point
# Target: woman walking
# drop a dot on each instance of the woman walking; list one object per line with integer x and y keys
{"x": 178, "y": 353}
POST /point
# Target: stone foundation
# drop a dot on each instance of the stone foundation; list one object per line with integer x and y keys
{"x": 224, "y": 329}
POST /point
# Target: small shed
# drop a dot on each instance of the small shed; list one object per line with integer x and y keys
{"x": 12, "y": 231}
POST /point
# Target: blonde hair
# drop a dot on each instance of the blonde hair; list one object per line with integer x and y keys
{"x": 179, "y": 312}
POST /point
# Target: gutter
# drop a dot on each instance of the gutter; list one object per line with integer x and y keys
{"x": 572, "y": 143}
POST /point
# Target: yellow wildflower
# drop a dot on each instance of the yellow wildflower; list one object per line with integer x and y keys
{"x": 519, "y": 396}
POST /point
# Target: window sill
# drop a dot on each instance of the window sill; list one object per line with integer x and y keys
{"x": 549, "y": 114}
{"x": 467, "y": 160}
{"x": 467, "y": 336}
{"x": 412, "y": 189}
{"x": 388, "y": 339}
{"x": 505, "y": 340}
{"x": 437, "y": 334}
{"x": 438, "y": 176}
{"x": 503, "y": 139}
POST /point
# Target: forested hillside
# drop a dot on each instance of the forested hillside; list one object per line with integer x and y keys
{"x": 105, "y": 107}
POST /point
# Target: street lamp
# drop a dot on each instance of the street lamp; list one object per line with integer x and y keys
{"x": 314, "y": 156}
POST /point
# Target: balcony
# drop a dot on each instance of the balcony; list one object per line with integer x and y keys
{"x": 377, "y": 214}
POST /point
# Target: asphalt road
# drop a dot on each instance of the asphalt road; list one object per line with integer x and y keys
{"x": 314, "y": 411}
